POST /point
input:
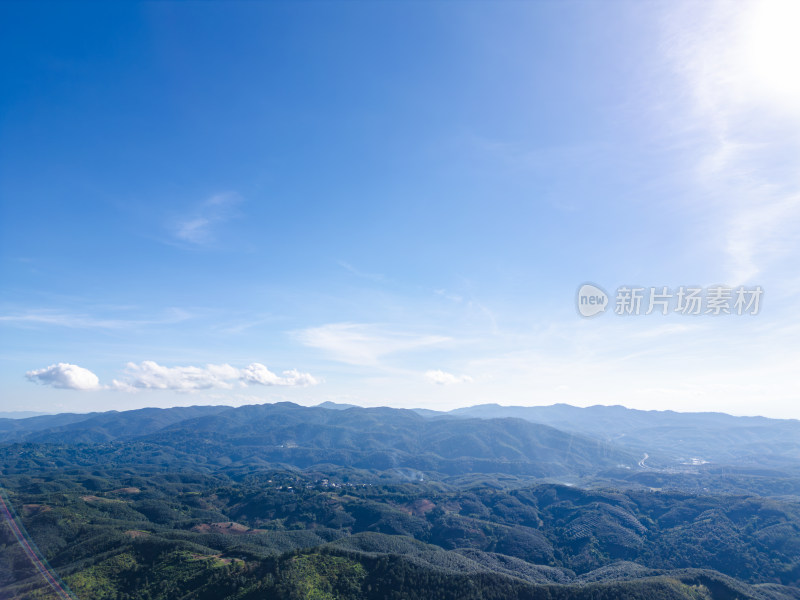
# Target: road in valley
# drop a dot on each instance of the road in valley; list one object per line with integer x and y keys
{"x": 32, "y": 552}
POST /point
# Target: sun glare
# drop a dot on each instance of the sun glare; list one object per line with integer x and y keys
{"x": 772, "y": 50}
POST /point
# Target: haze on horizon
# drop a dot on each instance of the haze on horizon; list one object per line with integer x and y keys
{"x": 395, "y": 203}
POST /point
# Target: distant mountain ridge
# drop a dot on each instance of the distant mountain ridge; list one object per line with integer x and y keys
{"x": 22, "y": 414}
{"x": 384, "y": 438}
{"x": 375, "y": 438}
{"x": 540, "y": 440}
{"x": 666, "y": 435}
{"x": 98, "y": 427}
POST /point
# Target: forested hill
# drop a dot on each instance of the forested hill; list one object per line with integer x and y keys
{"x": 71, "y": 428}
{"x": 115, "y": 529}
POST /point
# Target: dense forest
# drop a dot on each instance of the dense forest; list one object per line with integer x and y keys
{"x": 280, "y": 507}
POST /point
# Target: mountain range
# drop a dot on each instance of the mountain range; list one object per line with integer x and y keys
{"x": 485, "y": 438}
{"x": 343, "y": 502}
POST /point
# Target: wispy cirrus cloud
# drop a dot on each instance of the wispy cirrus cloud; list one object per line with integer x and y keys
{"x": 198, "y": 227}
{"x": 738, "y": 62}
{"x": 376, "y": 277}
{"x": 364, "y": 344}
{"x": 72, "y": 320}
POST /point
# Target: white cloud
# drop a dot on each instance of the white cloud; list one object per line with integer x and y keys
{"x": 65, "y": 376}
{"x": 258, "y": 373}
{"x": 444, "y": 378}
{"x": 363, "y": 344}
{"x": 149, "y": 375}
{"x": 152, "y": 376}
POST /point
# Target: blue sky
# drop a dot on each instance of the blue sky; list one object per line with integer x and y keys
{"x": 395, "y": 203}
